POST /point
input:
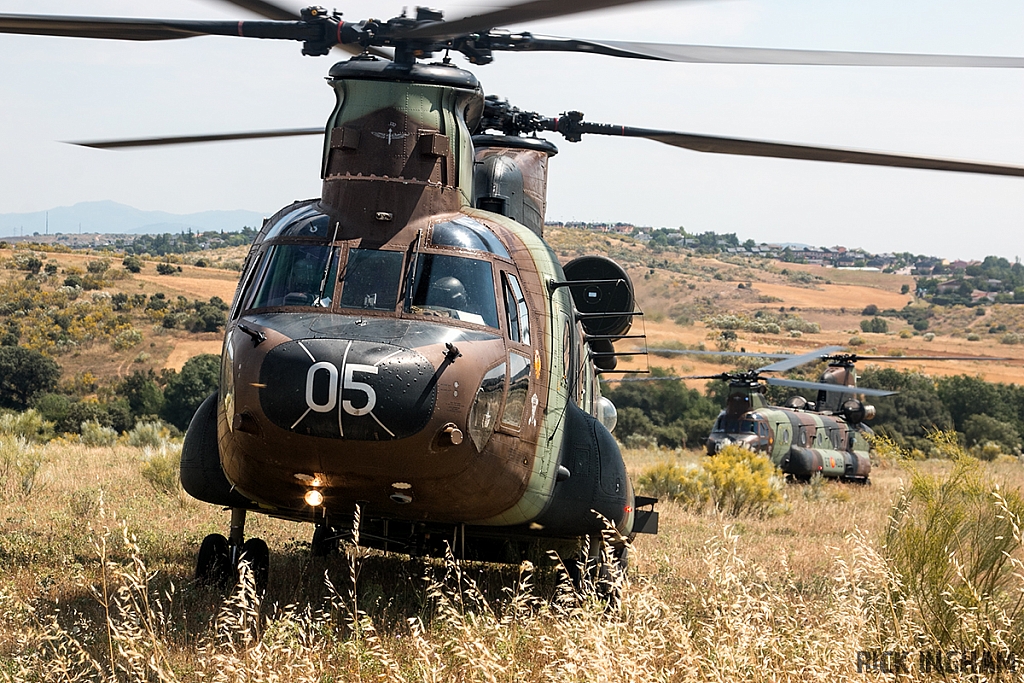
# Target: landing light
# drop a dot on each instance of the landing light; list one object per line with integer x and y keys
{"x": 313, "y": 498}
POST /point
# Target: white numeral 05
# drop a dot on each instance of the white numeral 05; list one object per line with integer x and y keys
{"x": 348, "y": 382}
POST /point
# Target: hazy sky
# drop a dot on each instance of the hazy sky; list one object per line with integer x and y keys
{"x": 54, "y": 89}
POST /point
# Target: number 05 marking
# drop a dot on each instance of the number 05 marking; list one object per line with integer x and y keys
{"x": 348, "y": 383}
{"x": 338, "y": 382}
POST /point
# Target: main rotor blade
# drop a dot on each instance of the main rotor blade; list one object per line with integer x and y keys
{"x": 779, "y": 150}
{"x": 270, "y": 10}
{"x": 185, "y": 139}
{"x": 856, "y": 358}
{"x": 713, "y": 54}
{"x": 800, "y": 384}
{"x": 110, "y": 28}
{"x": 267, "y": 10}
{"x": 737, "y": 354}
{"x": 796, "y": 361}
{"x": 514, "y": 14}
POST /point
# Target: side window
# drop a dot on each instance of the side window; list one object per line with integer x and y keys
{"x": 515, "y": 308}
{"x": 518, "y": 388}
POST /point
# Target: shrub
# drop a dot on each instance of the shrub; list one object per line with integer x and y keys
{"x": 744, "y": 482}
{"x": 856, "y": 341}
{"x": 735, "y": 482}
{"x": 1011, "y": 338}
{"x": 28, "y": 425}
{"x": 162, "y": 470}
{"x": 148, "y": 434}
{"x": 126, "y": 339}
{"x": 973, "y": 337}
{"x": 876, "y": 325}
{"x": 870, "y": 309}
{"x": 686, "y": 485}
{"x": 132, "y": 264}
{"x": 166, "y": 269}
{"x": 20, "y": 465}
{"x": 95, "y": 434}
{"x": 928, "y": 336}
{"x": 952, "y": 540}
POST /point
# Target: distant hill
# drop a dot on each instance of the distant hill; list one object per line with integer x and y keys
{"x": 111, "y": 217}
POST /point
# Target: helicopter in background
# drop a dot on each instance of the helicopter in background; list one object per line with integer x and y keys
{"x": 405, "y": 352}
{"x": 828, "y": 436}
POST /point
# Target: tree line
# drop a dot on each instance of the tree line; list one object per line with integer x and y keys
{"x": 31, "y": 380}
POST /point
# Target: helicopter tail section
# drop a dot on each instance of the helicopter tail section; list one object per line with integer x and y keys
{"x": 201, "y": 474}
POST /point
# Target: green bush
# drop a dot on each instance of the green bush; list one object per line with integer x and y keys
{"x": 95, "y": 434}
{"x": 876, "y": 325}
{"x": 28, "y": 425}
{"x": 148, "y": 435}
{"x": 162, "y": 470}
{"x": 686, "y": 485}
{"x": 955, "y": 542}
{"x": 132, "y": 263}
{"x": 735, "y": 482}
{"x": 20, "y": 465}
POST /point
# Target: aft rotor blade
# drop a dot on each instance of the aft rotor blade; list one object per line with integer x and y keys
{"x": 186, "y": 139}
{"x": 713, "y": 54}
{"x": 800, "y": 384}
{"x": 151, "y": 29}
{"x": 795, "y": 361}
{"x": 515, "y": 14}
{"x": 779, "y": 150}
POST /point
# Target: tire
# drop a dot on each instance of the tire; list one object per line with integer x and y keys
{"x": 257, "y": 554}
{"x": 213, "y": 563}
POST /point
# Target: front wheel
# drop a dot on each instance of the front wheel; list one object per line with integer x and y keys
{"x": 257, "y": 554}
{"x": 213, "y": 564}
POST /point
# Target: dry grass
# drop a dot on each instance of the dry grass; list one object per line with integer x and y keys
{"x": 97, "y": 586}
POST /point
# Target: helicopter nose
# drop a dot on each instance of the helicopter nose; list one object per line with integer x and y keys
{"x": 347, "y": 389}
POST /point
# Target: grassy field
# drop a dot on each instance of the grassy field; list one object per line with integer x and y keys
{"x": 98, "y": 566}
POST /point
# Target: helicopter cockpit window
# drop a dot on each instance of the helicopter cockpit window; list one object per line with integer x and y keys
{"x": 371, "y": 279}
{"x": 731, "y": 425}
{"x": 515, "y": 304}
{"x": 466, "y": 233}
{"x": 306, "y": 221}
{"x": 297, "y": 275}
{"x": 454, "y": 287}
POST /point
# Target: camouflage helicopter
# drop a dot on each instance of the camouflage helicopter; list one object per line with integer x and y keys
{"x": 415, "y": 303}
{"x": 828, "y": 436}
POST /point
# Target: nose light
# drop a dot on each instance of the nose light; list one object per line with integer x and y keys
{"x": 313, "y": 498}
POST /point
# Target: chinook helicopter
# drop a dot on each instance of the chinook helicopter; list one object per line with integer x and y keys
{"x": 406, "y": 351}
{"x": 828, "y": 436}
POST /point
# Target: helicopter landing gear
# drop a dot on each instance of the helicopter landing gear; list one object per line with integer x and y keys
{"x": 219, "y": 559}
{"x": 325, "y": 541}
{"x": 600, "y": 568}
